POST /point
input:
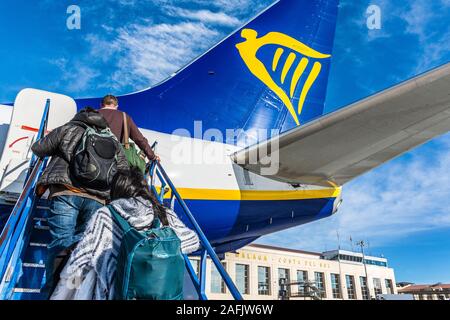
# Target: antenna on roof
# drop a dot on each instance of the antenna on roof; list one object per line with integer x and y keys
{"x": 338, "y": 239}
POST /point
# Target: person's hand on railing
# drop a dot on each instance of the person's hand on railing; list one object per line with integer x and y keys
{"x": 153, "y": 146}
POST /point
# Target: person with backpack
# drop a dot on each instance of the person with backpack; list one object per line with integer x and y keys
{"x": 131, "y": 249}
{"x": 123, "y": 126}
{"x": 85, "y": 156}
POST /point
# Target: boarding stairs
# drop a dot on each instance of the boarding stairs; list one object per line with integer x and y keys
{"x": 25, "y": 236}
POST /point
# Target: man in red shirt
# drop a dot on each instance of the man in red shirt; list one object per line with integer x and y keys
{"x": 114, "y": 117}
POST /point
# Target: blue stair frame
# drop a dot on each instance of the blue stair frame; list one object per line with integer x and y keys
{"x": 157, "y": 171}
{"x": 25, "y": 237}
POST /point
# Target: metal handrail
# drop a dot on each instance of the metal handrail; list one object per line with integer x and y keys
{"x": 40, "y": 134}
{"x": 18, "y": 218}
{"x": 165, "y": 181}
{"x": 10, "y": 232}
{"x": 195, "y": 279}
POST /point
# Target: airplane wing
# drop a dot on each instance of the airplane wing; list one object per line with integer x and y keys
{"x": 339, "y": 147}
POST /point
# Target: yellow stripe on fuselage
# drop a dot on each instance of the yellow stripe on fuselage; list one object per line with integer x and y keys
{"x": 254, "y": 195}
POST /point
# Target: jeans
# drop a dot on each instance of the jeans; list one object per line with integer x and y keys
{"x": 67, "y": 219}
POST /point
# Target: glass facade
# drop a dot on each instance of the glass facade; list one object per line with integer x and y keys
{"x": 283, "y": 274}
{"x": 320, "y": 283}
{"x": 364, "y": 288}
{"x": 336, "y": 286}
{"x": 346, "y": 257}
{"x": 196, "y": 265}
{"x": 389, "y": 287}
{"x": 302, "y": 276}
{"x": 258, "y": 274}
{"x": 264, "y": 281}
{"x": 242, "y": 278}
{"x": 376, "y": 263}
{"x": 377, "y": 286}
{"x": 351, "y": 292}
{"x": 217, "y": 283}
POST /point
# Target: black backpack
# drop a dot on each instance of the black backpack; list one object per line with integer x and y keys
{"x": 94, "y": 161}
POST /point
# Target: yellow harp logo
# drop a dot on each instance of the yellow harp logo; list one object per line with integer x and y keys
{"x": 249, "y": 48}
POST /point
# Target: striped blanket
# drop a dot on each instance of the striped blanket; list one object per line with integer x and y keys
{"x": 89, "y": 274}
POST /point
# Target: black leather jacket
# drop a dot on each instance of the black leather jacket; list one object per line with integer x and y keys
{"x": 60, "y": 144}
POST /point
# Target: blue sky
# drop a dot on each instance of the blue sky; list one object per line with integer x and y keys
{"x": 401, "y": 208}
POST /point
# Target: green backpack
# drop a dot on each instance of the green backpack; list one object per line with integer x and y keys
{"x": 150, "y": 265}
{"x": 131, "y": 153}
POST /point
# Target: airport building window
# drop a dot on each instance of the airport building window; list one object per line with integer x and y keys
{"x": 364, "y": 288}
{"x": 336, "y": 286}
{"x": 264, "y": 281}
{"x": 283, "y": 275}
{"x": 389, "y": 287}
{"x": 302, "y": 277}
{"x": 350, "y": 280}
{"x": 377, "y": 286}
{"x": 349, "y": 258}
{"x": 242, "y": 278}
{"x": 320, "y": 283}
{"x": 195, "y": 265}
{"x": 375, "y": 263}
{"x": 217, "y": 283}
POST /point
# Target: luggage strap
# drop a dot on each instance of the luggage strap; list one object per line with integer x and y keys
{"x": 156, "y": 223}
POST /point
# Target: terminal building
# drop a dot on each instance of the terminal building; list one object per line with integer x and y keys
{"x": 264, "y": 272}
{"x": 438, "y": 291}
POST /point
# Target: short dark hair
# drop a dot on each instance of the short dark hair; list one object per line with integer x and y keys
{"x": 88, "y": 109}
{"x": 131, "y": 184}
{"x": 109, "y": 99}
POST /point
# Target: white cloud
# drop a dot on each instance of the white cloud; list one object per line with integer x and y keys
{"x": 418, "y": 17}
{"x": 206, "y": 16}
{"x": 434, "y": 43}
{"x": 235, "y": 6}
{"x": 434, "y": 51}
{"x": 146, "y": 54}
{"x": 388, "y": 204}
{"x": 74, "y": 76}
{"x": 421, "y": 17}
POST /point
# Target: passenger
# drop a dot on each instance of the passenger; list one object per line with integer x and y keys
{"x": 115, "y": 119}
{"x": 90, "y": 271}
{"x": 71, "y": 204}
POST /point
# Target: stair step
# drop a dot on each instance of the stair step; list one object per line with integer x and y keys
{"x": 36, "y": 252}
{"x": 39, "y": 227}
{"x": 40, "y": 236}
{"x": 42, "y": 207}
{"x": 26, "y": 290}
{"x": 37, "y": 244}
{"x": 41, "y": 213}
{"x": 32, "y": 276}
{"x": 33, "y": 265}
{"x": 28, "y": 296}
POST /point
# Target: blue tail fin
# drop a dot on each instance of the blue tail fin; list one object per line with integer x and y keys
{"x": 270, "y": 74}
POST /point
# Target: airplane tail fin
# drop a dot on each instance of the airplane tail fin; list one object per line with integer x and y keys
{"x": 270, "y": 74}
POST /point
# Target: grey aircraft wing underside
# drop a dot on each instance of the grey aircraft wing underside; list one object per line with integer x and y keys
{"x": 344, "y": 144}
